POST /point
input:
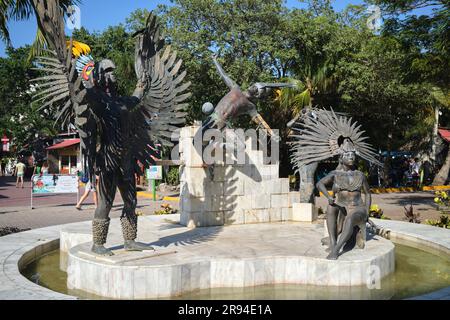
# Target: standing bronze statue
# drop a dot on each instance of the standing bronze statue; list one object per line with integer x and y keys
{"x": 116, "y": 131}
{"x": 323, "y": 137}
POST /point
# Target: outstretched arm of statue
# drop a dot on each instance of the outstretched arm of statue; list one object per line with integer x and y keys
{"x": 228, "y": 81}
{"x": 139, "y": 90}
{"x": 367, "y": 195}
{"x": 321, "y": 185}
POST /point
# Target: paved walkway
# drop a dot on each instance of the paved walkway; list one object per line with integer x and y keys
{"x": 60, "y": 209}
{"x": 50, "y": 210}
{"x": 24, "y": 217}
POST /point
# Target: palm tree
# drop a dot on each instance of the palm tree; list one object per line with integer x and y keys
{"x": 23, "y": 10}
{"x": 442, "y": 97}
{"x": 307, "y": 87}
{"x": 302, "y": 96}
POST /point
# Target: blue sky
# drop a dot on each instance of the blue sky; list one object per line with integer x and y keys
{"x": 96, "y": 15}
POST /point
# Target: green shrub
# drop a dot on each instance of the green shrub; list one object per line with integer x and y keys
{"x": 442, "y": 198}
{"x": 443, "y": 222}
{"x": 173, "y": 176}
{"x": 4, "y": 231}
{"x": 443, "y": 201}
{"x": 166, "y": 209}
{"x": 410, "y": 216}
{"x": 377, "y": 213}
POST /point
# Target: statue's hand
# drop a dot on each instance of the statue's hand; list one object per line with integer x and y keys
{"x": 331, "y": 201}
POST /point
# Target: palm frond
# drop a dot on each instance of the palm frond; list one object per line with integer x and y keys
{"x": 22, "y": 10}
{"x": 301, "y": 101}
{"x": 323, "y": 79}
{"x": 287, "y": 95}
{"x": 16, "y": 10}
{"x": 441, "y": 95}
{"x": 38, "y": 46}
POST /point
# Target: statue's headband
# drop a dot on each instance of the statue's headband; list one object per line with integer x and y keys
{"x": 347, "y": 145}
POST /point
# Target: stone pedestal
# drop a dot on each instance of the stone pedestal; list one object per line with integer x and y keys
{"x": 229, "y": 194}
{"x": 304, "y": 212}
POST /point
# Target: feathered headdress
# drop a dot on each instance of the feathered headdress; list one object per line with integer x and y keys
{"x": 321, "y": 134}
{"x": 81, "y": 53}
{"x": 78, "y": 48}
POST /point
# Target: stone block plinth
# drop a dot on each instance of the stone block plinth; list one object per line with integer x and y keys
{"x": 304, "y": 212}
{"x": 230, "y": 193}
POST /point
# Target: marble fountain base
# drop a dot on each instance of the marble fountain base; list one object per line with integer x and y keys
{"x": 211, "y": 257}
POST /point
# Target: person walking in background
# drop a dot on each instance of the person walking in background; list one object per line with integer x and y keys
{"x": 37, "y": 169}
{"x": 3, "y": 167}
{"x": 414, "y": 166}
{"x": 87, "y": 189}
{"x": 19, "y": 172}
{"x": 44, "y": 168}
{"x": 414, "y": 171}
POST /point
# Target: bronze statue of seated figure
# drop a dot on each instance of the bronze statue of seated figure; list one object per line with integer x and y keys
{"x": 348, "y": 186}
{"x": 323, "y": 136}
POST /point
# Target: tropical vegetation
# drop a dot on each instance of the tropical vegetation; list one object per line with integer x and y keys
{"x": 394, "y": 81}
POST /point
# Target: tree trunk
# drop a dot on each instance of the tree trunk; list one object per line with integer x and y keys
{"x": 435, "y": 137}
{"x": 441, "y": 176}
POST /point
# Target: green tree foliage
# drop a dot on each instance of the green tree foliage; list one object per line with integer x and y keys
{"x": 389, "y": 81}
{"x": 373, "y": 87}
{"x": 18, "y": 118}
{"x": 251, "y": 37}
{"x": 429, "y": 35}
{"x": 116, "y": 44}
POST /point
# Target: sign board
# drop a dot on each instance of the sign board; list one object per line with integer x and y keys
{"x": 55, "y": 184}
{"x": 154, "y": 173}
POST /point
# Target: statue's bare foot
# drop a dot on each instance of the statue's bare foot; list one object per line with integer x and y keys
{"x": 101, "y": 250}
{"x": 326, "y": 242}
{"x": 332, "y": 256}
{"x": 360, "y": 243}
{"x": 131, "y": 245}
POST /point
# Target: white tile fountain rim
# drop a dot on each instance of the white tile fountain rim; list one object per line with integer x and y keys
{"x": 13, "y": 285}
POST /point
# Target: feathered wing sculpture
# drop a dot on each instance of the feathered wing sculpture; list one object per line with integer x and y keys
{"x": 161, "y": 91}
{"x": 318, "y": 136}
{"x": 61, "y": 88}
{"x": 157, "y": 102}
